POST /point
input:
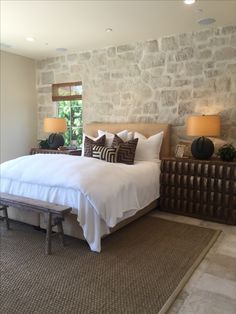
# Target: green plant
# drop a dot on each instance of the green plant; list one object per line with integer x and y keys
{"x": 44, "y": 144}
{"x": 72, "y": 111}
{"x": 227, "y": 152}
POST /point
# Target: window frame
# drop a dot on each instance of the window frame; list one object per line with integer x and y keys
{"x": 57, "y": 98}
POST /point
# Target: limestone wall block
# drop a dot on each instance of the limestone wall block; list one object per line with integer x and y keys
{"x": 133, "y": 70}
{"x": 204, "y": 54}
{"x": 150, "y": 108}
{"x": 212, "y": 73}
{"x": 233, "y": 40}
{"x": 228, "y": 30}
{"x": 111, "y": 52}
{"x": 184, "y": 94}
{"x": 169, "y": 43}
{"x": 98, "y": 59}
{"x": 175, "y": 68}
{"x": 47, "y": 77}
{"x": 186, "y": 39}
{"x": 193, "y": 68}
{"x": 77, "y": 68}
{"x": 152, "y": 60}
{"x": 209, "y": 65}
{"x": 203, "y": 35}
{"x": 63, "y": 77}
{"x": 84, "y": 56}
{"x": 225, "y": 53}
{"x": 117, "y": 75}
{"x": 219, "y": 41}
{"x": 72, "y": 57}
{"x": 223, "y": 84}
{"x": 168, "y": 98}
{"x": 125, "y": 48}
{"x": 201, "y": 93}
{"x": 156, "y": 72}
{"x": 151, "y": 46}
{"x": 127, "y": 57}
{"x": 181, "y": 82}
{"x": 43, "y": 90}
{"x": 184, "y": 54}
{"x": 54, "y": 66}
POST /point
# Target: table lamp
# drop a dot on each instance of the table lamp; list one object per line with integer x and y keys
{"x": 202, "y": 147}
{"x": 55, "y": 126}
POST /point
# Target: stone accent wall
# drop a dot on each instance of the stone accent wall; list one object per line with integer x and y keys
{"x": 160, "y": 80}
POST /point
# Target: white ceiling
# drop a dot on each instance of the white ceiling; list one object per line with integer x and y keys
{"x": 81, "y": 24}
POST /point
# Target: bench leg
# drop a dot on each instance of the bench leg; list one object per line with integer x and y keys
{"x": 5, "y": 217}
{"x": 49, "y": 234}
{"x": 60, "y": 231}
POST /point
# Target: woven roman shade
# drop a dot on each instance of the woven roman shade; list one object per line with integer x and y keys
{"x": 67, "y": 91}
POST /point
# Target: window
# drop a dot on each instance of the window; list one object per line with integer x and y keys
{"x": 68, "y": 97}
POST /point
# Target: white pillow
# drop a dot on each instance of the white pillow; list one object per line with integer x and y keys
{"x": 124, "y": 135}
{"x": 89, "y": 136}
{"x": 148, "y": 149}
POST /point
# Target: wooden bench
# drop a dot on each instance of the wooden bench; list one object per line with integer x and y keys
{"x": 54, "y": 214}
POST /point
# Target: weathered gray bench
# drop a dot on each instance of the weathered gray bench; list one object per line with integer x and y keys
{"x": 54, "y": 214}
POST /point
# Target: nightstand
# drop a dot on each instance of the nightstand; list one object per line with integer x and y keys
{"x": 204, "y": 189}
{"x": 55, "y": 151}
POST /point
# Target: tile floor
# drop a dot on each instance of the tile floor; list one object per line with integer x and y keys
{"x": 212, "y": 287}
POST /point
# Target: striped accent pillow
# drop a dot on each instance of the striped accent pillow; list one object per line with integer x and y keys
{"x": 126, "y": 152}
{"x": 88, "y": 144}
{"x": 105, "y": 153}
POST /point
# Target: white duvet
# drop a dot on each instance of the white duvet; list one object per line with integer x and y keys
{"x": 100, "y": 193}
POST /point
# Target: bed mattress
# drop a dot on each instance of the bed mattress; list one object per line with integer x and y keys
{"x": 101, "y": 194}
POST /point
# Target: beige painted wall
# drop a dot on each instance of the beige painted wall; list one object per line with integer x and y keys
{"x": 18, "y": 106}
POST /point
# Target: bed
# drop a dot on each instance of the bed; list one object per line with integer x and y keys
{"x": 97, "y": 211}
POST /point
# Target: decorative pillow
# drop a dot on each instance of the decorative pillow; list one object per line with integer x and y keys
{"x": 89, "y": 136}
{"x": 105, "y": 153}
{"x": 126, "y": 152}
{"x": 124, "y": 135}
{"x": 89, "y": 143}
{"x": 148, "y": 149}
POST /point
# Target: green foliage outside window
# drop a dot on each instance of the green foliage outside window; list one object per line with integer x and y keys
{"x": 72, "y": 111}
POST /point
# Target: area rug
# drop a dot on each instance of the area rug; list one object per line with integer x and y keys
{"x": 141, "y": 269}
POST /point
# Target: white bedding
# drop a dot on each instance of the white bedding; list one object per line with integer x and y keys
{"x": 100, "y": 193}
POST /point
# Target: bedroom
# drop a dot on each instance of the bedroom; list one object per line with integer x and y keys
{"x": 156, "y": 72}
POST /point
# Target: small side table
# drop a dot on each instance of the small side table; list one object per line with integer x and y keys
{"x": 75, "y": 152}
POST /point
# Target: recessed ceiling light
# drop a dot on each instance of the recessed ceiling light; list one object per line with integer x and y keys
{"x": 189, "y": 1}
{"x": 30, "y": 39}
{"x": 61, "y": 49}
{"x": 108, "y": 30}
{"x": 206, "y": 21}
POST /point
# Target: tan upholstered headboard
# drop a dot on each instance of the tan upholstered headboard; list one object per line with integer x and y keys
{"x": 146, "y": 129}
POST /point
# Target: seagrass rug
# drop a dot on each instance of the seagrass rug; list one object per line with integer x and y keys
{"x": 141, "y": 269}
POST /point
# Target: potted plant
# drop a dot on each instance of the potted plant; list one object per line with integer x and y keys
{"x": 44, "y": 144}
{"x": 227, "y": 152}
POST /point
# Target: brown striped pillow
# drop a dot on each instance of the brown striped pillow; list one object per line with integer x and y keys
{"x": 108, "y": 154}
{"x": 126, "y": 152}
{"x": 88, "y": 144}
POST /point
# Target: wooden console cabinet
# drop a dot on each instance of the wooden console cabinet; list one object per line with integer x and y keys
{"x": 54, "y": 151}
{"x": 201, "y": 189}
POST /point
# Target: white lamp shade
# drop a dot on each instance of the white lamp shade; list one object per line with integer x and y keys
{"x": 55, "y": 125}
{"x": 203, "y": 126}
